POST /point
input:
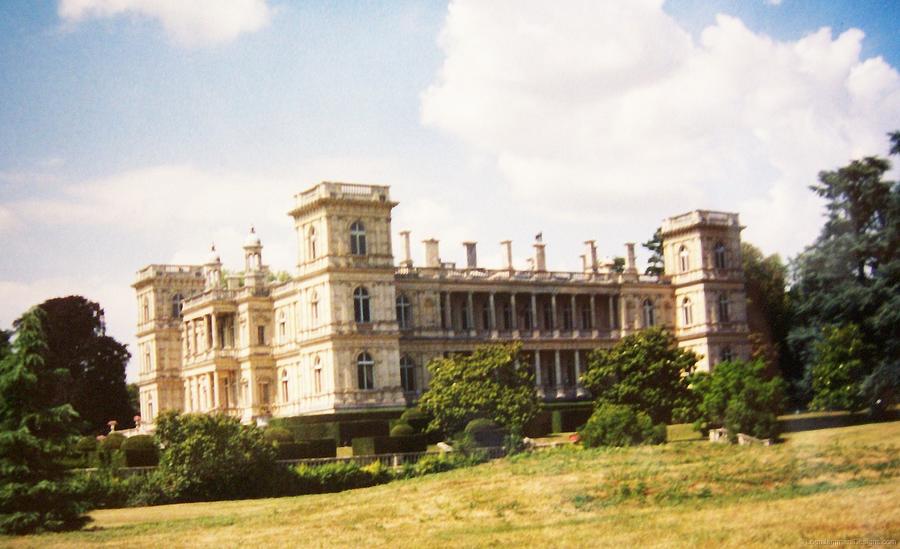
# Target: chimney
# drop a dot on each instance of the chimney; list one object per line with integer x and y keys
{"x": 592, "y": 255}
{"x": 540, "y": 257}
{"x": 407, "y": 255}
{"x": 584, "y": 263}
{"x": 508, "y": 245}
{"x": 471, "y": 255}
{"x": 630, "y": 264}
{"x": 432, "y": 254}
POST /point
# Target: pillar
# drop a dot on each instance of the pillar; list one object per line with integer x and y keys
{"x": 554, "y": 318}
{"x": 612, "y": 313}
{"x": 492, "y": 313}
{"x": 560, "y": 390}
{"x": 574, "y": 314}
{"x": 534, "y": 318}
{"x": 215, "y": 332}
{"x": 470, "y": 311}
{"x": 623, "y": 314}
{"x": 214, "y": 389}
{"x": 580, "y": 390}
{"x": 407, "y": 254}
{"x": 448, "y": 312}
{"x": 507, "y": 245}
{"x": 537, "y": 369}
{"x": 593, "y": 312}
{"x": 514, "y": 317}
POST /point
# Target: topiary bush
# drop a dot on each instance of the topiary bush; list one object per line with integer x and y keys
{"x": 416, "y": 418}
{"x": 278, "y": 435}
{"x": 484, "y": 432}
{"x": 402, "y": 430}
{"x": 620, "y": 425}
{"x": 140, "y": 451}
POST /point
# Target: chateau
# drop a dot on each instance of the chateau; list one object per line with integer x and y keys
{"x": 351, "y": 330}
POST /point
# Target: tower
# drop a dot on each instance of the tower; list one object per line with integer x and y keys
{"x": 346, "y": 280}
{"x": 702, "y": 255}
{"x": 161, "y": 291}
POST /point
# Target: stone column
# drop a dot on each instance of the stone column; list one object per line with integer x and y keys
{"x": 470, "y": 311}
{"x": 623, "y": 314}
{"x": 554, "y": 318}
{"x": 407, "y": 254}
{"x": 534, "y": 318}
{"x": 593, "y": 315}
{"x": 538, "y": 382}
{"x": 507, "y": 244}
{"x": 560, "y": 389}
{"x": 514, "y": 317}
{"x": 492, "y": 313}
{"x": 574, "y": 315}
{"x": 448, "y": 312}
{"x": 579, "y": 390}
{"x": 612, "y": 313}
{"x": 215, "y": 332}
{"x": 216, "y": 391}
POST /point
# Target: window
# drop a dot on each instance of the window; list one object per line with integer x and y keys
{"x": 465, "y": 315}
{"x": 726, "y": 354}
{"x": 407, "y": 374}
{"x": 314, "y": 308}
{"x": 311, "y": 243}
{"x": 548, "y": 316}
{"x": 264, "y": 393}
{"x": 687, "y": 313}
{"x": 317, "y": 376}
{"x": 507, "y": 316}
{"x": 649, "y": 313}
{"x": 567, "y": 317}
{"x": 260, "y": 335}
{"x": 723, "y": 308}
{"x": 146, "y": 309}
{"x": 684, "y": 259}
{"x": 284, "y": 386}
{"x": 177, "y": 305}
{"x": 719, "y": 255}
{"x": 404, "y": 312}
{"x": 150, "y": 407}
{"x": 282, "y": 326}
{"x": 527, "y": 319}
{"x": 148, "y": 364}
{"x": 361, "y": 305}
{"x": 357, "y": 238}
{"x": 227, "y": 392}
{"x": 486, "y": 317}
{"x": 365, "y": 371}
{"x": 586, "y": 321}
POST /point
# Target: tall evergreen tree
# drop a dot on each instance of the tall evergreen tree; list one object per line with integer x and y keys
{"x": 768, "y": 308}
{"x": 655, "y": 264}
{"x": 36, "y": 431}
{"x": 851, "y": 275}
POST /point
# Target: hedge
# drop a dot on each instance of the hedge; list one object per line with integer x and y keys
{"x": 369, "y": 446}
{"x": 485, "y": 432}
{"x": 343, "y": 432}
{"x": 307, "y": 449}
{"x": 140, "y": 451}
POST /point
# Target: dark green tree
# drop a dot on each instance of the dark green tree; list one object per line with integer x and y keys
{"x": 842, "y": 362}
{"x": 490, "y": 383}
{"x": 740, "y": 396}
{"x": 851, "y": 274}
{"x": 646, "y": 370}
{"x": 655, "y": 264}
{"x": 769, "y": 308}
{"x": 618, "y": 265}
{"x": 77, "y": 342}
{"x": 36, "y": 431}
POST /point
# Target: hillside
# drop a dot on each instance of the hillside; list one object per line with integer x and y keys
{"x": 827, "y": 484}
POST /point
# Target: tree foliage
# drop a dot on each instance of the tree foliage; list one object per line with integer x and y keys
{"x": 656, "y": 263}
{"x": 645, "y": 370}
{"x": 842, "y": 362}
{"x": 490, "y": 383}
{"x": 36, "y": 431}
{"x": 769, "y": 308}
{"x": 740, "y": 396}
{"x": 620, "y": 425}
{"x": 77, "y": 342}
{"x": 851, "y": 274}
{"x": 212, "y": 456}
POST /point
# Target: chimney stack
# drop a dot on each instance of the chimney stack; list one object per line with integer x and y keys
{"x": 540, "y": 257}
{"x": 508, "y": 245}
{"x": 471, "y": 255}
{"x": 407, "y": 255}
{"x": 592, "y": 254}
{"x": 630, "y": 263}
{"x": 432, "y": 254}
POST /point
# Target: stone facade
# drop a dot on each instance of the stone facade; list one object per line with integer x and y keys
{"x": 350, "y": 330}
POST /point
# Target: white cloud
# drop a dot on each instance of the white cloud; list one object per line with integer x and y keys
{"x": 613, "y": 111}
{"x": 189, "y": 23}
{"x": 774, "y": 2}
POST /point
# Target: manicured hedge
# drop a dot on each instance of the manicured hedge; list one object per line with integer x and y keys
{"x": 306, "y": 449}
{"x": 402, "y": 430}
{"x": 140, "y": 451}
{"x": 343, "y": 432}
{"x": 350, "y": 430}
{"x": 368, "y": 446}
{"x": 485, "y": 432}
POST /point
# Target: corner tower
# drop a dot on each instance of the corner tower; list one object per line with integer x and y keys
{"x": 702, "y": 254}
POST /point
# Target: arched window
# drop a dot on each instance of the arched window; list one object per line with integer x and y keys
{"x": 284, "y": 386}
{"x": 719, "y": 255}
{"x": 726, "y": 354}
{"x": 282, "y": 326}
{"x": 365, "y": 371}
{"x": 311, "y": 243}
{"x": 361, "y": 305}
{"x": 314, "y": 308}
{"x": 687, "y": 312}
{"x": 723, "y": 308}
{"x": 407, "y": 374}
{"x": 150, "y": 407}
{"x": 357, "y": 238}
{"x": 649, "y": 313}
{"x": 404, "y": 312}
{"x": 145, "y": 305}
{"x": 177, "y": 305}
{"x": 684, "y": 259}
{"x": 317, "y": 376}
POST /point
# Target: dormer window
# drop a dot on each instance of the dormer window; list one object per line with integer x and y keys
{"x": 357, "y": 238}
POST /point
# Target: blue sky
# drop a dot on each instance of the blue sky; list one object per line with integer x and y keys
{"x": 143, "y": 135}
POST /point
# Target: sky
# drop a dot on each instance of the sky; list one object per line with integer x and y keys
{"x": 142, "y": 131}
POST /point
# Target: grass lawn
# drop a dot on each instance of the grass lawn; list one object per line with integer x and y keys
{"x": 839, "y": 483}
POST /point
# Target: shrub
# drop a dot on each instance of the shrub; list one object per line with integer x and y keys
{"x": 620, "y": 425}
{"x": 483, "y": 432}
{"x": 321, "y": 448}
{"x": 86, "y": 445}
{"x": 741, "y": 397}
{"x": 416, "y": 418}
{"x": 402, "y": 430}
{"x": 212, "y": 456}
{"x": 278, "y": 434}
{"x": 363, "y": 428}
{"x": 369, "y": 446}
{"x": 140, "y": 451}
{"x": 112, "y": 442}
{"x": 333, "y": 477}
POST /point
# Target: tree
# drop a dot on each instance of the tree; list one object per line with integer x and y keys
{"x": 769, "y": 308}
{"x": 208, "y": 457}
{"x": 740, "y": 396}
{"x": 620, "y": 425}
{"x": 490, "y": 383}
{"x": 618, "y": 265}
{"x": 851, "y": 273}
{"x": 36, "y": 431}
{"x": 655, "y": 264}
{"x": 646, "y": 370}
{"x": 842, "y": 362}
{"x": 77, "y": 342}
